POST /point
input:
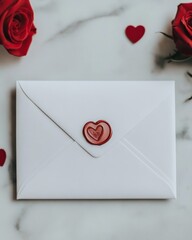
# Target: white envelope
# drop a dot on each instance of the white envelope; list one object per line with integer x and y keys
{"x": 54, "y": 160}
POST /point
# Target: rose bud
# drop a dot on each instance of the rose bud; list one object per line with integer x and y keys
{"x": 182, "y": 29}
{"x": 16, "y": 26}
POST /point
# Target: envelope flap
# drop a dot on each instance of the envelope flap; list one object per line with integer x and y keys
{"x": 71, "y": 104}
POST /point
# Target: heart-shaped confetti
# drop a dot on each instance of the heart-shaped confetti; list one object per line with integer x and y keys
{"x": 134, "y": 34}
{"x": 97, "y": 133}
{"x": 2, "y": 157}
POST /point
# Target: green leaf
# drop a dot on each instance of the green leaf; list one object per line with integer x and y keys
{"x": 188, "y": 99}
{"x": 166, "y": 35}
{"x": 177, "y": 57}
{"x": 181, "y": 60}
{"x": 189, "y": 74}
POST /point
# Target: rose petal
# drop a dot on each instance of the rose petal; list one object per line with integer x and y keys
{"x": 187, "y": 29}
{"x": 19, "y": 5}
{"x": 25, "y": 45}
{"x": 6, "y": 4}
{"x": 6, "y": 42}
{"x": 184, "y": 48}
{"x": 186, "y": 6}
{"x": 180, "y": 12}
{"x": 178, "y": 34}
{"x": 23, "y": 31}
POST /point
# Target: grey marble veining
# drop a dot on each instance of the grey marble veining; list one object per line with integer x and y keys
{"x": 74, "y": 25}
{"x": 85, "y": 40}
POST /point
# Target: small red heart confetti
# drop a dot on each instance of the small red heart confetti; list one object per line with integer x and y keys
{"x": 2, "y": 157}
{"x": 134, "y": 34}
{"x": 97, "y": 133}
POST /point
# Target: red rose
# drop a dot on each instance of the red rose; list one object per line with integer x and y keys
{"x": 16, "y": 26}
{"x": 182, "y": 29}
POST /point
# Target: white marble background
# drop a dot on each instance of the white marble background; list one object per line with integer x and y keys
{"x": 85, "y": 40}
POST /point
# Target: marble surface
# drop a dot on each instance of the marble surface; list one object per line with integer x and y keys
{"x": 85, "y": 40}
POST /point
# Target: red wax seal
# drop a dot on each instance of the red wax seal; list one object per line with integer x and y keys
{"x": 2, "y": 157}
{"x": 97, "y": 133}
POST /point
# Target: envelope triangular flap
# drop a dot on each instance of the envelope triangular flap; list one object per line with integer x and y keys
{"x": 71, "y": 104}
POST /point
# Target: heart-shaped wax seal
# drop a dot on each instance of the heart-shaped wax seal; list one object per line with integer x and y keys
{"x": 134, "y": 34}
{"x": 97, "y": 133}
{"x": 2, "y": 157}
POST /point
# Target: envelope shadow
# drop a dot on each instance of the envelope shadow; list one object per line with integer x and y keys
{"x": 12, "y": 165}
